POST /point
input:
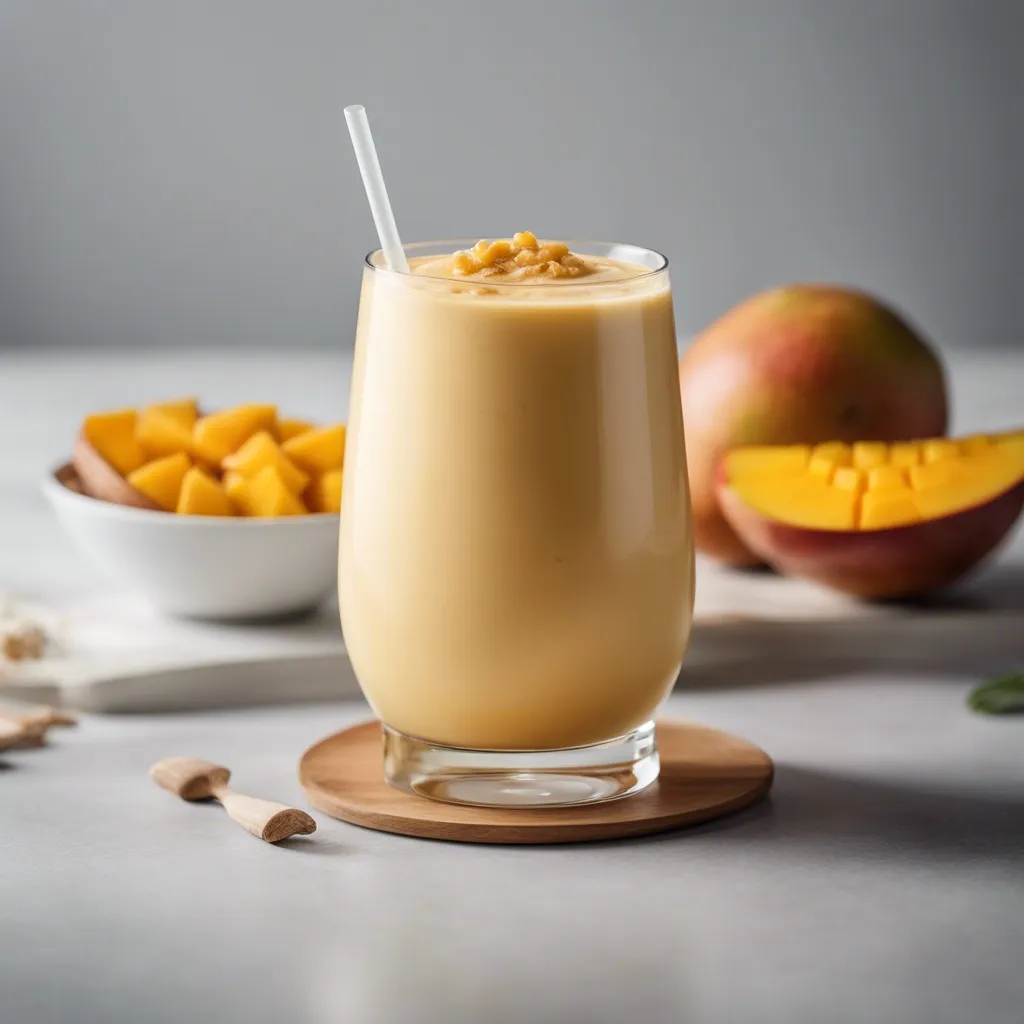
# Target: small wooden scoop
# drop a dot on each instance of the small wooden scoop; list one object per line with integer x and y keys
{"x": 29, "y": 729}
{"x": 192, "y": 779}
{"x": 100, "y": 480}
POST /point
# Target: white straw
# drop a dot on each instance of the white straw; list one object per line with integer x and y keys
{"x": 376, "y": 190}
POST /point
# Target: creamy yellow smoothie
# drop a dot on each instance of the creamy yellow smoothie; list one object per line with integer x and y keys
{"x": 516, "y": 564}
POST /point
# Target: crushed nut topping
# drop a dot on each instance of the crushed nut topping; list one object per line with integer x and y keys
{"x": 520, "y": 258}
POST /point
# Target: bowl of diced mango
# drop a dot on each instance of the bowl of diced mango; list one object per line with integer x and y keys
{"x": 226, "y": 514}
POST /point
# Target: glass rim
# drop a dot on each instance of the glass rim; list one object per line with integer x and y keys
{"x": 575, "y": 245}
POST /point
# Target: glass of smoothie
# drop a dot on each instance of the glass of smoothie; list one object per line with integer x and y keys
{"x": 516, "y": 565}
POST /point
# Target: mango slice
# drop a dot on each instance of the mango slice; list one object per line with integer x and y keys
{"x": 112, "y": 434}
{"x": 286, "y": 429}
{"x": 222, "y": 433}
{"x": 267, "y": 495}
{"x": 260, "y": 451}
{"x": 201, "y": 495}
{"x": 324, "y": 493}
{"x": 163, "y": 433}
{"x": 319, "y": 450}
{"x": 884, "y": 487}
{"x": 161, "y": 479}
{"x": 898, "y": 520}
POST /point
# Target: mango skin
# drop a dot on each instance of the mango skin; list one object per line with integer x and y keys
{"x": 904, "y": 561}
{"x": 803, "y": 364}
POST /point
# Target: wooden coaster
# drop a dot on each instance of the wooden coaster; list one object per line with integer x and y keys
{"x": 705, "y": 774}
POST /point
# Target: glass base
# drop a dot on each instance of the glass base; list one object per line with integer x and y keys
{"x": 522, "y": 778}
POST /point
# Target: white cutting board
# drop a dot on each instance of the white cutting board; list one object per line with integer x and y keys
{"x": 113, "y": 653}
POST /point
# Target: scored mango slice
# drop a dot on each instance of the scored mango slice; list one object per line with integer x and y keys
{"x": 201, "y": 495}
{"x": 222, "y": 433}
{"x": 261, "y": 451}
{"x": 112, "y": 435}
{"x": 319, "y": 450}
{"x": 874, "y": 486}
{"x": 161, "y": 480}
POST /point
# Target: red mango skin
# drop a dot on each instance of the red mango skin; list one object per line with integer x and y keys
{"x": 879, "y": 564}
{"x": 803, "y": 364}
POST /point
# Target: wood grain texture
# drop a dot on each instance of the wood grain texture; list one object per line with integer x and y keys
{"x": 705, "y": 774}
{"x": 194, "y": 779}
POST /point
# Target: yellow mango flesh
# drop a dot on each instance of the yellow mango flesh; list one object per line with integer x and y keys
{"x": 163, "y": 433}
{"x": 161, "y": 479}
{"x": 875, "y": 486}
{"x": 319, "y": 450}
{"x": 261, "y": 451}
{"x": 324, "y": 493}
{"x": 184, "y": 410}
{"x": 236, "y": 487}
{"x": 267, "y": 495}
{"x": 286, "y": 429}
{"x": 112, "y": 434}
{"x": 201, "y": 495}
{"x": 222, "y": 433}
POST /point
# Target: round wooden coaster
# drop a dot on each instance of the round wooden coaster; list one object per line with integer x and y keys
{"x": 705, "y": 774}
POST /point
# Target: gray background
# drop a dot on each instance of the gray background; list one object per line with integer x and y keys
{"x": 177, "y": 173}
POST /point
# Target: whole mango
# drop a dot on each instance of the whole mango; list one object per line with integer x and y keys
{"x": 801, "y": 364}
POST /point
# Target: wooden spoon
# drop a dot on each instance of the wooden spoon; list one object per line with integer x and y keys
{"x": 11, "y": 734}
{"x": 193, "y": 779}
{"x": 100, "y": 480}
{"x": 29, "y": 729}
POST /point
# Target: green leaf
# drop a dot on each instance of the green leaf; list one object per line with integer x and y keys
{"x": 1003, "y": 695}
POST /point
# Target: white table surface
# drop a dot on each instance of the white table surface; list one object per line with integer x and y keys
{"x": 883, "y": 882}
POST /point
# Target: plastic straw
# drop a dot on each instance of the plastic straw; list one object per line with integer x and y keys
{"x": 376, "y": 190}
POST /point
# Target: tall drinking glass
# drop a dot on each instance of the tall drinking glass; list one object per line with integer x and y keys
{"x": 516, "y": 567}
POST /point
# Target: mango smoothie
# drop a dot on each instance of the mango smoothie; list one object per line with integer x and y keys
{"x": 516, "y": 565}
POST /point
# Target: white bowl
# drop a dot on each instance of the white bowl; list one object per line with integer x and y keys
{"x": 204, "y": 566}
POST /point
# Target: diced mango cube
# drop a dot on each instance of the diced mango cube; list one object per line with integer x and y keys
{"x": 906, "y": 453}
{"x": 847, "y": 478}
{"x": 269, "y": 496}
{"x": 939, "y": 449}
{"x": 223, "y": 433}
{"x": 319, "y": 450}
{"x": 236, "y": 487}
{"x": 836, "y": 452}
{"x": 161, "y": 479}
{"x": 822, "y": 467}
{"x": 285, "y": 430}
{"x": 869, "y": 454}
{"x": 161, "y": 433}
{"x": 184, "y": 410}
{"x": 201, "y": 495}
{"x": 883, "y": 478}
{"x": 260, "y": 451}
{"x": 324, "y": 493}
{"x": 883, "y": 509}
{"x": 112, "y": 434}
{"x": 945, "y": 473}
